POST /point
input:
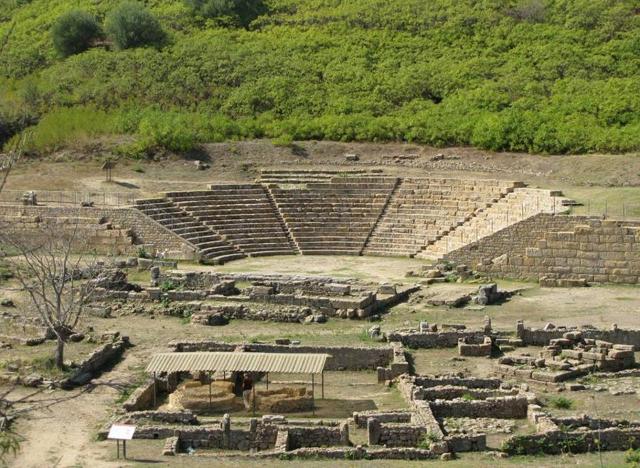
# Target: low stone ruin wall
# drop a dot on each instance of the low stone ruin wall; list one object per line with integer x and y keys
{"x": 468, "y": 348}
{"x": 342, "y": 357}
{"x": 509, "y": 407}
{"x": 209, "y": 314}
{"x": 360, "y": 418}
{"x": 427, "y": 340}
{"x": 542, "y": 337}
{"x": 450, "y": 392}
{"x": 322, "y": 436}
{"x": 467, "y": 442}
{"x": 257, "y": 437}
{"x": 568, "y": 357}
{"x": 278, "y": 284}
{"x": 573, "y": 435}
{"x": 394, "y": 434}
{"x": 165, "y": 417}
{"x": 413, "y": 384}
{"x": 141, "y": 398}
{"x": 357, "y": 453}
{"x": 398, "y": 366}
{"x": 95, "y": 362}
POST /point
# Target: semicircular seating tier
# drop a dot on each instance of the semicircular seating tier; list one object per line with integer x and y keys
{"x": 331, "y": 212}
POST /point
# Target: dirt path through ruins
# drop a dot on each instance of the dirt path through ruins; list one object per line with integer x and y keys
{"x": 64, "y": 435}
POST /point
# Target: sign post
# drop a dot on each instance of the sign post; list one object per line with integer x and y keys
{"x": 121, "y": 432}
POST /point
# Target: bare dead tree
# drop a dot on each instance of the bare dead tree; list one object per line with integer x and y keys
{"x": 59, "y": 282}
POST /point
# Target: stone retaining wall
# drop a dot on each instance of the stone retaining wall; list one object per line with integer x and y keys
{"x": 559, "y": 248}
{"x": 342, "y": 357}
{"x": 146, "y": 231}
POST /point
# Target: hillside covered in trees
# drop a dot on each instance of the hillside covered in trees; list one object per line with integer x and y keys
{"x": 550, "y": 76}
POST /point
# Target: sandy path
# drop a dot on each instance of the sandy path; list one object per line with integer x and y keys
{"x": 64, "y": 435}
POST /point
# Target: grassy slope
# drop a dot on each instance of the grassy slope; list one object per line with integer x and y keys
{"x": 528, "y": 75}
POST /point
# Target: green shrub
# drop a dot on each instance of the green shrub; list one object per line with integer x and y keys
{"x": 132, "y": 25}
{"x": 74, "y": 32}
{"x": 561, "y": 402}
{"x": 167, "y": 286}
{"x": 240, "y": 12}
{"x": 142, "y": 253}
{"x": 632, "y": 457}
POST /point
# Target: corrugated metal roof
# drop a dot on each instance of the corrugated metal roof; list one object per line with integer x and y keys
{"x": 287, "y": 363}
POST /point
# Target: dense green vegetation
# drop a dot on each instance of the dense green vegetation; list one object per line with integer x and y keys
{"x": 524, "y": 75}
{"x": 74, "y": 32}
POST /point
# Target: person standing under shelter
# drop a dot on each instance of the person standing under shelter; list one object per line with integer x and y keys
{"x": 247, "y": 388}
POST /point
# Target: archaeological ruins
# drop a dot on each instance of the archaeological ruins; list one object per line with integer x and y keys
{"x": 444, "y": 359}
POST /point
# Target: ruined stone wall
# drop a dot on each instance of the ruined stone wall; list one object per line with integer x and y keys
{"x": 541, "y": 337}
{"x": 557, "y": 442}
{"x": 449, "y": 392}
{"x": 559, "y": 247}
{"x": 357, "y": 453}
{"x": 400, "y": 435}
{"x": 470, "y": 382}
{"x": 258, "y": 437}
{"x": 427, "y": 340}
{"x": 509, "y": 407}
{"x": 321, "y": 436}
{"x": 141, "y": 398}
{"x": 342, "y": 357}
{"x": 95, "y": 362}
{"x": 360, "y": 418}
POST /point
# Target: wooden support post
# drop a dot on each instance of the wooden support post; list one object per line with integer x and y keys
{"x": 118, "y": 448}
{"x": 267, "y": 381}
{"x": 253, "y": 392}
{"x": 124, "y": 449}
{"x": 313, "y": 395}
{"x": 210, "y": 391}
{"x": 155, "y": 391}
{"x": 322, "y": 383}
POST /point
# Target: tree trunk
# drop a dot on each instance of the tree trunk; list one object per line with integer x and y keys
{"x": 59, "y": 357}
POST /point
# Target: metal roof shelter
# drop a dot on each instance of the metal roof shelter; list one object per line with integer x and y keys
{"x": 284, "y": 363}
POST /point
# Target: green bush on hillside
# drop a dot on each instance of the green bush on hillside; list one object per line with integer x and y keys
{"x": 74, "y": 32}
{"x": 241, "y": 12}
{"x": 131, "y": 25}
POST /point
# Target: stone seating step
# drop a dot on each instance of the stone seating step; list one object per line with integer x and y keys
{"x": 328, "y": 251}
{"x": 272, "y": 252}
{"x": 220, "y": 259}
